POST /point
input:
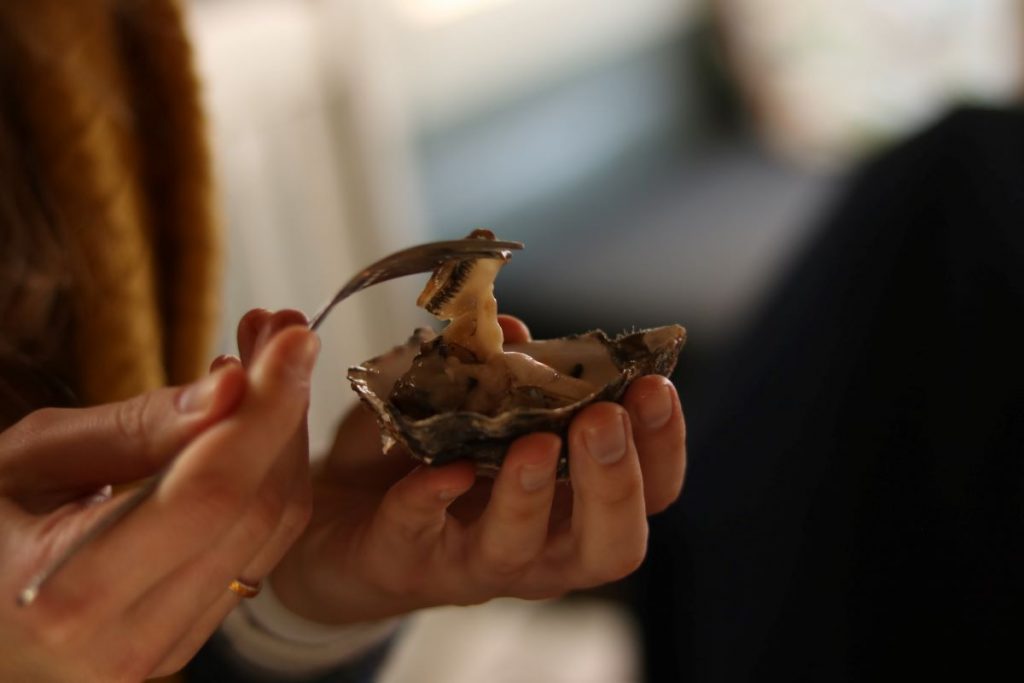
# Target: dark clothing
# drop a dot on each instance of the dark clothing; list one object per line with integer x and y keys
{"x": 854, "y": 509}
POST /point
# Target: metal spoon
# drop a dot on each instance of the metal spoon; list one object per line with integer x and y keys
{"x": 419, "y": 259}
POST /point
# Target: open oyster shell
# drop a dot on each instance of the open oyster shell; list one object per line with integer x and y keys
{"x": 608, "y": 364}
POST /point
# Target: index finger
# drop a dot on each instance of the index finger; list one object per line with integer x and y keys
{"x": 69, "y": 450}
{"x": 204, "y": 493}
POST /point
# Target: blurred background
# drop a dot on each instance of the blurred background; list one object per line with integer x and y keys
{"x": 663, "y": 161}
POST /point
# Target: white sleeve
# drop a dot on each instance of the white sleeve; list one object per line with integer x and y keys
{"x": 267, "y": 635}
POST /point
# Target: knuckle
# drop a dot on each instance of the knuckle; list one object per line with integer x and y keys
{"x": 502, "y": 565}
{"x": 130, "y": 419}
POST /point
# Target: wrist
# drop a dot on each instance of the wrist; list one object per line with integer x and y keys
{"x": 332, "y": 591}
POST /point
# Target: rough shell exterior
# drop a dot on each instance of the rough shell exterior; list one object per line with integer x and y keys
{"x": 447, "y": 437}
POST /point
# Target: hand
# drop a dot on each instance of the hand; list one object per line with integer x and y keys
{"x": 143, "y": 597}
{"x": 388, "y": 536}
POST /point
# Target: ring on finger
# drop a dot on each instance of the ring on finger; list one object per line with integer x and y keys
{"x": 245, "y": 590}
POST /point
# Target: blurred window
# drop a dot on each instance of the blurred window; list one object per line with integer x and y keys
{"x": 831, "y": 79}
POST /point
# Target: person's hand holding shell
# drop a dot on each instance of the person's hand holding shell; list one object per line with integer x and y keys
{"x": 389, "y": 536}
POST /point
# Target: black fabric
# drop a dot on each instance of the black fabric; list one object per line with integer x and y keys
{"x": 854, "y": 509}
{"x": 216, "y": 662}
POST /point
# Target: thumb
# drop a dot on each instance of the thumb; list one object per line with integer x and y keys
{"x": 71, "y": 450}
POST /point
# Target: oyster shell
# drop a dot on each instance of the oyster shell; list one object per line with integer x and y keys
{"x": 462, "y": 394}
{"x": 453, "y": 435}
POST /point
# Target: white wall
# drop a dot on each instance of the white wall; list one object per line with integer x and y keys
{"x": 297, "y": 221}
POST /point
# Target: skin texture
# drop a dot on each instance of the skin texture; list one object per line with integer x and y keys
{"x": 389, "y": 536}
{"x": 234, "y": 500}
{"x": 363, "y": 537}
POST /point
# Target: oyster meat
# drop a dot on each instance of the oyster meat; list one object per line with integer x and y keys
{"x": 464, "y": 394}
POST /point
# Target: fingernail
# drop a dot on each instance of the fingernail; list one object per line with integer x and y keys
{"x": 221, "y": 361}
{"x": 655, "y": 409}
{"x": 535, "y": 477}
{"x": 198, "y": 396}
{"x": 606, "y": 442}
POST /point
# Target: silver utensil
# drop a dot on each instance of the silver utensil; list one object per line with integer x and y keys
{"x": 419, "y": 259}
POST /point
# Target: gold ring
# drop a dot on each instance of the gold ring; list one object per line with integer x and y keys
{"x": 246, "y": 590}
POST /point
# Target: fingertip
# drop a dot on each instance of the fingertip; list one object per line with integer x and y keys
{"x": 652, "y": 402}
{"x": 262, "y": 326}
{"x": 253, "y": 319}
{"x": 643, "y": 386}
{"x": 288, "y": 317}
{"x": 248, "y": 329}
{"x": 277, "y": 322}
{"x": 288, "y": 358}
{"x": 514, "y": 330}
{"x": 223, "y": 360}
